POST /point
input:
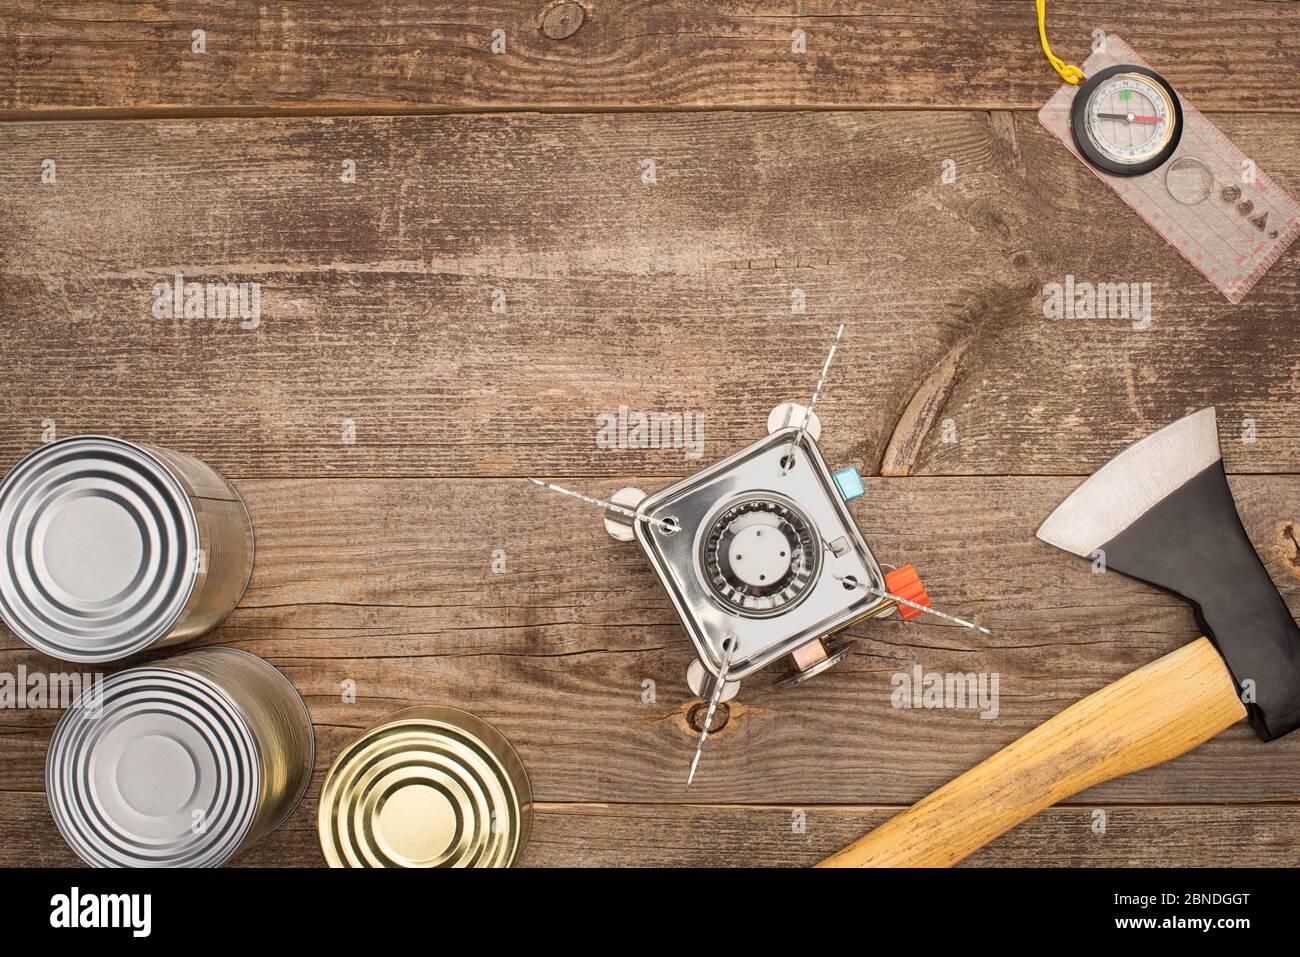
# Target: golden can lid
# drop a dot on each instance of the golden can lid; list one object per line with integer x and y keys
{"x": 426, "y": 787}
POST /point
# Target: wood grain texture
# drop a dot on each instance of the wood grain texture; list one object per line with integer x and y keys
{"x": 408, "y": 54}
{"x": 374, "y": 556}
{"x": 702, "y": 835}
{"x": 673, "y": 296}
{"x": 389, "y": 584}
{"x": 763, "y": 836}
{"x": 1152, "y": 715}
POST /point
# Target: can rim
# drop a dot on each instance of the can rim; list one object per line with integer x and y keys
{"x": 74, "y": 838}
{"x": 180, "y": 497}
{"x": 461, "y": 724}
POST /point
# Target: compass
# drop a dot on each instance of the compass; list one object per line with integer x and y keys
{"x": 1126, "y": 120}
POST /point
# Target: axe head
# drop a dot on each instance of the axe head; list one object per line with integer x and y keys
{"x": 1161, "y": 511}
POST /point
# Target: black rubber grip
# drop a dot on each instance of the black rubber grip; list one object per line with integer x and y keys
{"x": 1193, "y": 544}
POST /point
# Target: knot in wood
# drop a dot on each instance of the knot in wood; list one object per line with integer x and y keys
{"x": 563, "y": 20}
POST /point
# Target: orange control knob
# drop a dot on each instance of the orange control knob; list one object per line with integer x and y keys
{"x": 906, "y": 583}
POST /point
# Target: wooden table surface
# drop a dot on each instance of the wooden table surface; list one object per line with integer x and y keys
{"x": 520, "y": 178}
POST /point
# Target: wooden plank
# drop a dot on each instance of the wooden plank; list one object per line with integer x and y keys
{"x": 418, "y": 55}
{"x": 703, "y": 836}
{"x": 389, "y": 584}
{"x": 639, "y": 835}
{"x": 677, "y": 296}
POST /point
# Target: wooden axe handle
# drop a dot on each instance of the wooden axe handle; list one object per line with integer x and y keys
{"x": 1158, "y": 712}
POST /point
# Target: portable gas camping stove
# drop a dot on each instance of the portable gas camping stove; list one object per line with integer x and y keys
{"x": 762, "y": 559}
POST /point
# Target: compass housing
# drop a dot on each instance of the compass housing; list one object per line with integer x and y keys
{"x": 753, "y": 550}
{"x": 1100, "y": 111}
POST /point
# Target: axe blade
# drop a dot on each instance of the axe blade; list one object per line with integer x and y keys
{"x": 1161, "y": 511}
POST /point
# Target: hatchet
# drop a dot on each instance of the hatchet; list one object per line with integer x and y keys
{"x": 1160, "y": 511}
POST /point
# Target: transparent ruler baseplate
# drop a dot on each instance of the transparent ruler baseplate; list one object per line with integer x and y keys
{"x": 1209, "y": 201}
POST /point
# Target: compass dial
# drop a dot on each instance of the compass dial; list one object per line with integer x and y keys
{"x": 1127, "y": 120}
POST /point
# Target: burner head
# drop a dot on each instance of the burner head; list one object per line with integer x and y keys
{"x": 753, "y": 548}
{"x": 760, "y": 556}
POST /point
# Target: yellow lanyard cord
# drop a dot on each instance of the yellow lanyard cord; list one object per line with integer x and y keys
{"x": 1069, "y": 72}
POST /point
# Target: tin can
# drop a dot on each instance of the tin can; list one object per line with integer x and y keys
{"x": 181, "y": 763}
{"x": 426, "y": 787}
{"x": 112, "y": 547}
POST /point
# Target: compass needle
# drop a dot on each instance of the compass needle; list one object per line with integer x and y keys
{"x": 1126, "y": 120}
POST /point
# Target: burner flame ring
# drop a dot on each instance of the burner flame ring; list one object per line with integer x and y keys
{"x": 760, "y": 556}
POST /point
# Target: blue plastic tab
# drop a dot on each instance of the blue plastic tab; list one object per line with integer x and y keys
{"x": 849, "y": 483}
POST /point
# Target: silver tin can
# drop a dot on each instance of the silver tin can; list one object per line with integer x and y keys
{"x": 181, "y": 763}
{"x": 112, "y": 547}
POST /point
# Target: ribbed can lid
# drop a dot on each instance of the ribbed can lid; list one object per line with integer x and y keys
{"x": 426, "y": 787}
{"x": 100, "y": 549}
{"x": 155, "y": 768}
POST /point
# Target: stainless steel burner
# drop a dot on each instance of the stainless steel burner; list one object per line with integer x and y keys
{"x": 720, "y": 556}
{"x": 760, "y": 555}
